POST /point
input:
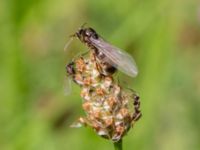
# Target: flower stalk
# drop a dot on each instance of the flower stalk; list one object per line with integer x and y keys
{"x": 118, "y": 145}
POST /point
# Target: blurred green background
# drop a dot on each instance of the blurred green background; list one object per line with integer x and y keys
{"x": 164, "y": 38}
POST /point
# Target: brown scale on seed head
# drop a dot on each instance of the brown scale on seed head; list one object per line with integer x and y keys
{"x": 80, "y": 65}
{"x": 100, "y": 91}
{"x": 112, "y": 102}
{"x": 104, "y": 100}
{"x": 87, "y": 81}
{"x": 86, "y": 106}
{"x": 109, "y": 122}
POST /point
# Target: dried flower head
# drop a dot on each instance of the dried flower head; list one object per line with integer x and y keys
{"x": 110, "y": 109}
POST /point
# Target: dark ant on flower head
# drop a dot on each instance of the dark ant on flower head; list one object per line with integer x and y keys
{"x": 106, "y": 53}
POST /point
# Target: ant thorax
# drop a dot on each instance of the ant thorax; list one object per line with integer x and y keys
{"x": 110, "y": 109}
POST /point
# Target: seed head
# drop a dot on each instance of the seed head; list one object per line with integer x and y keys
{"x": 110, "y": 109}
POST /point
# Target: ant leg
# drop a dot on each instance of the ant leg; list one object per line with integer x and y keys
{"x": 81, "y": 54}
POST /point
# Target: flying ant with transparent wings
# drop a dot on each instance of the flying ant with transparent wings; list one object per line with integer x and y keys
{"x": 109, "y": 56}
{"x": 106, "y": 52}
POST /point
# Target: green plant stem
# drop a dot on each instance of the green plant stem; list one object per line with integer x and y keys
{"x": 118, "y": 145}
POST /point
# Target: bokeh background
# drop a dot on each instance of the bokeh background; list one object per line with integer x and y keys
{"x": 164, "y": 38}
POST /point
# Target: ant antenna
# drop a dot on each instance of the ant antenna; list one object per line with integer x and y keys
{"x": 83, "y": 25}
{"x": 71, "y": 38}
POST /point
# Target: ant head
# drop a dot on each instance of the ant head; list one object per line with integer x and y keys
{"x": 85, "y": 33}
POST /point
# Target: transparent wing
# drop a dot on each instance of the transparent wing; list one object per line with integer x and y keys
{"x": 67, "y": 86}
{"x": 119, "y": 58}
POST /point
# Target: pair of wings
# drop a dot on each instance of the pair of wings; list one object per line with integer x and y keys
{"x": 118, "y": 58}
